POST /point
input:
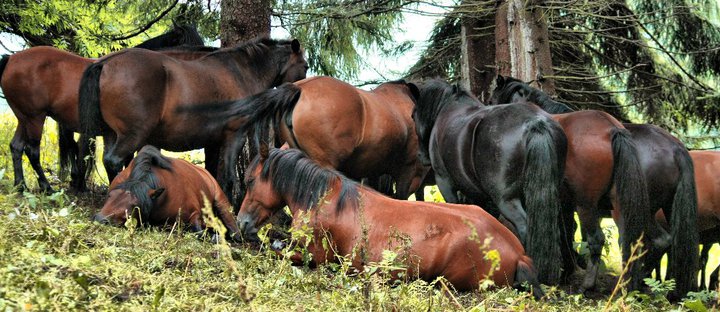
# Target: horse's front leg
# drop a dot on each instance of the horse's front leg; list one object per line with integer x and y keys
{"x": 119, "y": 151}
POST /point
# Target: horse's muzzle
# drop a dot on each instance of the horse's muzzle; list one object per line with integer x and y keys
{"x": 101, "y": 219}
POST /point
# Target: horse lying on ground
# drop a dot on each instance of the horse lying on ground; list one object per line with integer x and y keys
{"x": 434, "y": 239}
{"x": 44, "y": 81}
{"x": 165, "y": 190}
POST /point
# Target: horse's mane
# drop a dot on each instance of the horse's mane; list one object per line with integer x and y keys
{"x": 258, "y": 53}
{"x": 435, "y": 94}
{"x": 179, "y": 35}
{"x": 291, "y": 172}
{"x": 254, "y": 48}
{"x": 199, "y": 48}
{"x": 142, "y": 179}
{"x": 532, "y": 95}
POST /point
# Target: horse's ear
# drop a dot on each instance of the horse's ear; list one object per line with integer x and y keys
{"x": 500, "y": 81}
{"x": 295, "y": 45}
{"x": 154, "y": 194}
{"x": 264, "y": 150}
{"x": 414, "y": 90}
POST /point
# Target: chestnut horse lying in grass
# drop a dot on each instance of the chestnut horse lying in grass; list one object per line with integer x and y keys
{"x": 165, "y": 190}
{"x": 354, "y": 216}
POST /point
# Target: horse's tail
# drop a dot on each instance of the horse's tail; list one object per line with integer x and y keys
{"x": 67, "y": 148}
{"x": 683, "y": 256}
{"x": 632, "y": 195}
{"x": 91, "y": 120}
{"x": 260, "y": 111}
{"x": 3, "y": 63}
{"x": 525, "y": 272}
{"x": 546, "y": 147}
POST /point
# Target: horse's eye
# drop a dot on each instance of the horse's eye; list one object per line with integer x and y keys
{"x": 250, "y": 182}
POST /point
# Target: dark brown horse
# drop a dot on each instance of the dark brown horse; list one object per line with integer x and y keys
{"x": 508, "y": 159}
{"x": 165, "y": 190}
{"x": 604, "y": 162}
{"x": 432, "y": 239}
{"x": 706, "y": 168}
{"x": 363, "y": 134}
{"x": 44, "y": 81}
{"x": 132, "y": 95}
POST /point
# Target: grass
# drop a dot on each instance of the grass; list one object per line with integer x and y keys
{"x": 54, "y": 258}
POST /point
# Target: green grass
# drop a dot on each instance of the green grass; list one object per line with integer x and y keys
{"x": 54, "y": 258}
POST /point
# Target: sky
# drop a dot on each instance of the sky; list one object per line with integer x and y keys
{"x": 415, "y": 28}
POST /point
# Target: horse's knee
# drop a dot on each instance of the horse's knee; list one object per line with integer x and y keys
{"x": 17, "y": 147}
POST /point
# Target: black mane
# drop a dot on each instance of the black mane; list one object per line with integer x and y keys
{"x": 258, "y": 54}
{"x": 291, "y": 172}
{"x": 530, "y": 94}
{"x": 179, "y": 35}
{"x": 435, "y": 95}
{"x": 142, "y": 179}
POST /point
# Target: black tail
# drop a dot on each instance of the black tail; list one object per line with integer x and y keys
{"x": 3, "y": 63}
{"x": 632, "y": 195}
{"x": 546, "y": 147}
{"x": 683, "y": 256}
{"x": 91, "y": 121}
{"x": 68, "y": 149}
{"x": 261, "y": 111}
{"x": 525, "y": 272}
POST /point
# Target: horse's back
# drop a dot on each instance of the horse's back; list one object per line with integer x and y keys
{"x": 328, "y": 120}
{"x": 442, "y": 238}
{"x": 44, "y": 80}
{"x": 589, "y": 163}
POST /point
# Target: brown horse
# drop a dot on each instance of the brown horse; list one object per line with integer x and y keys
{"x": 165, "y": 190}
{"x": 44, "y": 81}
{"x": 363, "y": 134}
{"x": 132, "y": 95}
{"x": 602, "y": 165}
{"x": 432, "y": 239}
{"x": 707, "y": 180}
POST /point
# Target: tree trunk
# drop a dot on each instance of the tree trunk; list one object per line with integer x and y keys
{"x": 478, "y": 54}
{"x": 242, "y": 20}
{"x": 523, "y": 47}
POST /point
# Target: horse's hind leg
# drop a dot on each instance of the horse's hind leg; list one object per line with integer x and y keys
{"x": 513, "y": 211}
{"x": 590, "y": 225}
{"x": 17, "y": 146}
{"x": 32, "y": 150}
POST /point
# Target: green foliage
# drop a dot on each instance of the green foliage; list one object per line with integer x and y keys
{"x": 94, "y": 28}
{"x": 334, "y": 31}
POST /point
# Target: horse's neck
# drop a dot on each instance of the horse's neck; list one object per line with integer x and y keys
{"x": 254, "y": 79}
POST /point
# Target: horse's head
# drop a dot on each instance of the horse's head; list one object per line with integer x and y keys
{"x": 261, "y": 199}
{"x": 509, "y": 90}
{"x": 124, "y": 202}
{"x": 429, "y": 99}
{"x": 296, "y": 67}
